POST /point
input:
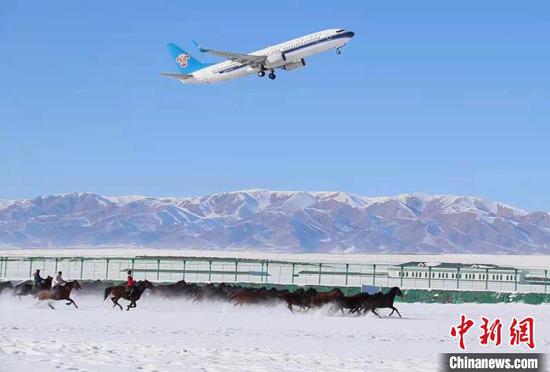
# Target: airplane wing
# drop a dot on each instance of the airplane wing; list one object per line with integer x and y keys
{"x": 245, "y": 59}
{"x": 176, "y": 76}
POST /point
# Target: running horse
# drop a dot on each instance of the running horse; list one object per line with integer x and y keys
{"x": 299, "y": 298}
{"x": 355, "y": 304}
{"x": 28, "y": 287}
{"x": 4, "y": 286}
{"x": 121, "y": 291}
{"x": 382, "y": 300}
{"x": 324, "y": 298}
{"x": 63, "y": 293}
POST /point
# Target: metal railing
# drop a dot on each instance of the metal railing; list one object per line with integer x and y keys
{"x": 210, "y": 269}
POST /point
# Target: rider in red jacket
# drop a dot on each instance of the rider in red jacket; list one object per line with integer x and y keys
{"x": 130, "y": 283}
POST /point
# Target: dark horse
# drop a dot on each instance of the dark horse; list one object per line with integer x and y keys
{"x": 4, "y": 286}
{"x": 299, "y": 298}
{"x": 382, "y": 300}
{"x": 256, "y": 296}
{"x": 63, "y": 293}
{"x": 121, "y": 291}
{"x": 28, "y": 288}
{"x": 355, "y": 304}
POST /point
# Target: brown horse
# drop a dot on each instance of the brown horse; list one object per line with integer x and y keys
{"x": 121, "y": 291}
{"x": 170, "y": 290}
{"x": 253, "y": 296}
{"x": 63, "y": 293}
{"x": 324, "y": 298}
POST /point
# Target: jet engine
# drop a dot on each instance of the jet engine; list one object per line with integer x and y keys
{"x": 295, "y": 64}
{"x": 276, "y": 60}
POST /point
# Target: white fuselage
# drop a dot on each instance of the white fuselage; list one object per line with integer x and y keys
{"x": 278, "y": 56}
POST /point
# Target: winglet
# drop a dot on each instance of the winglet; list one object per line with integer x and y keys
{"x": 201, "y": 49}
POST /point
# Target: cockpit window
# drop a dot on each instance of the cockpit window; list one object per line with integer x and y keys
{"x": 339, "y": 31}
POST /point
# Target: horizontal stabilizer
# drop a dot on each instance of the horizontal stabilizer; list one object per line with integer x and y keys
{"x": 176, "y": 76}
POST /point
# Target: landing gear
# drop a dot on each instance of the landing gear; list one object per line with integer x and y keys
{"x": 338, "y": 51}
{"x": 272, "y": 75}
{"x": 261, "y": 73}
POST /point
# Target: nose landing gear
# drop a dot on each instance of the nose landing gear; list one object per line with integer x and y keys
{"x": 338, "y": 51}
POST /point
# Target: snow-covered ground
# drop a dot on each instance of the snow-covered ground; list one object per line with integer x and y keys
{"x": 176, "y": 335}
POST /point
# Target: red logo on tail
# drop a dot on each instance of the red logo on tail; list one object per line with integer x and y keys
{"x": 182, "y": 60}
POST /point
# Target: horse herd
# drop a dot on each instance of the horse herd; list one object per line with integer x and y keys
{"x": 301, "y": 299}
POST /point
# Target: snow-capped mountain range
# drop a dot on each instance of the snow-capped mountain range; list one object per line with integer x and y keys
{"x": 277, "y": 221}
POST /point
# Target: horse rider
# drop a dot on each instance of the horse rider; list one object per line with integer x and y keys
{"x": 130, "y": 284}
{"x": 38, "y": 280}
{"x": 59, "y": 282}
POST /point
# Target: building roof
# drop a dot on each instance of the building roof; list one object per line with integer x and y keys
{"x": 450, "y": 265}
{"x": 415, "y": 263}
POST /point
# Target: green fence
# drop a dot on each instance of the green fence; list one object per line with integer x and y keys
{"x": 303, "y": 273}
{"x": 482, "y": 297}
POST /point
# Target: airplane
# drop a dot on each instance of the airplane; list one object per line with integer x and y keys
{"x": 289, "y": 56}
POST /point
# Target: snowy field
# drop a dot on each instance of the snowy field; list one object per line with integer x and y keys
{"x": 176, "y": 335}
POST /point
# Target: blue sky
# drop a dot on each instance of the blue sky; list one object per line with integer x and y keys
{"x": 430, "y": 96}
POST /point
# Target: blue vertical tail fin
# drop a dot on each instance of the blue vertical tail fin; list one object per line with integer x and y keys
{"x": 186, "y": 63}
